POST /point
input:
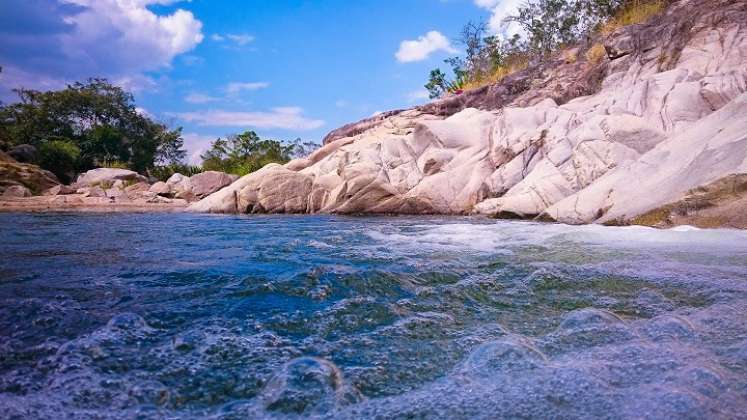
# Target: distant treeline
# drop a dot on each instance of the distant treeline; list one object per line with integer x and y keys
{"x": 96, "y": 124}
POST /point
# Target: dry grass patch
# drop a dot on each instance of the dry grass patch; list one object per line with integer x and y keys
{"x": 513, "y": 65}
{"x": 653, "y": 218}
{"x": 570, "y": 55}
{"x": 636, "y": 11}
{"x": 596, "y": 53}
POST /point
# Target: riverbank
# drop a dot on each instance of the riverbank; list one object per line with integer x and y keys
{"x": 75, "y": 203}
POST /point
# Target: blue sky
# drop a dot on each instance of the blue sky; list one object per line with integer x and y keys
{"x": 285, "y": 69}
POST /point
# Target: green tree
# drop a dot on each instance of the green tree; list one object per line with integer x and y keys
{"x": 550, "y": 24}
{"x": 437, "y": 84}
{"x": 246, "y": 152}
{"x": 99, "y": 118}
{"x": 546, "y": 26}
{"x": 61, "y": 156}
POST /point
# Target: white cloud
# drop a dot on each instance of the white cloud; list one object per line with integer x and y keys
{"x": 199, "y": 98}
{"x": 117, "y": 39}
{"x": 232, "y": 91}
{"x": 289, "y": 118}
{"x": 238, "y": 87}
{"x": 12, "y": 77}
{"x": 135, "y": 83}
{"x": 500, "y": 10}
{"x": 195, "y": 145}
{"x": 424, "y": 46}
{"x": 341, "y": 103}
{"x": 129, "y": 34}
{"x": 487, "y": 4}
{"x": 161, "y": 2}
{"x": 144, "y": 112}
{"x": 417, "y": 96}
{"x": 192, "y": 60}
{"x": 238, "y": 39}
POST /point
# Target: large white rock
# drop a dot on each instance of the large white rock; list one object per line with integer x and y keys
{"x": 179, "y": 183}
{"x": 226, "y": 199}
{"x": 100, "y": 176}
{"x": 650, "y": 134}
{"x": 711, "y": 149}
{"x": 208, "y": 182}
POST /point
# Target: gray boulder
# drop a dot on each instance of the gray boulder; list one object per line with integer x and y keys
{"x": 59, "y": 190}
{"x": 23, "y": 153}
{"x": 17, "y": 191}
{"x": 179, "y": 183}
{"x": 161, "y": 188}
{"x": 107, "y": 176}
{"x": 206, "y": 183}
{"x": 91, "y": 192}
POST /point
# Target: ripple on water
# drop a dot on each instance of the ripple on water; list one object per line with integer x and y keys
{"x": 184, "y": 316}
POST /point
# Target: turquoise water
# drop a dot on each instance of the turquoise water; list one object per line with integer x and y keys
{"x": 199, "y": 316}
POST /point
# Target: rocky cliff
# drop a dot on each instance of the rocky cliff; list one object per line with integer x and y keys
{"x": 656, "y": 125}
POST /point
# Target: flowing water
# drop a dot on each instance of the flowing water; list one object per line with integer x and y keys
{"x": 184, "y": 316}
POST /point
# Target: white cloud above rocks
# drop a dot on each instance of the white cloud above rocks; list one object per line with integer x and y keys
{"x": 195, "y": 145}
{"x": 421, "y": 48}
{"x": 500, "y": 10}
{"x": 68, "y": 40}
{"x": 234, "y": 88}
{"x": 286, "y": 118}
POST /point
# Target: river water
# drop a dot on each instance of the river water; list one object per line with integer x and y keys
{"x": 201, "y": 316}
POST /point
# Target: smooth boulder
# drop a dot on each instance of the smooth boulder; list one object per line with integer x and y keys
{"x": 208, "y": 182}
{"x": 17, "y": 191}
{"x": 32, "y": 177}
{"x": 99, "y": 176}
{"x": 160, "y": 188}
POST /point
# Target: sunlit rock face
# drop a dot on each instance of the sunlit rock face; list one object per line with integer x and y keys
{"x": 667, "y": 113}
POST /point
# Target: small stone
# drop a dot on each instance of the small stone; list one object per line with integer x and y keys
{"x": 161, "y": 188}
{"x": 115, "y": 193}
{"x": 59, "y": 190}
{"x": 17, "y": 191}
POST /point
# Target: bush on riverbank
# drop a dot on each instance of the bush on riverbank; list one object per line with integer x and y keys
{"x": 162, "y": 173}
{"x": 546, "y": 26}
{"x": 240, "y": 154}
{"x": 88, "y": 125}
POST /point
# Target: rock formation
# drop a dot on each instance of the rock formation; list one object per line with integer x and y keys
{"x": 26, "y": 187}
{"x": 574, "y": 140}
{"x": 107, "y": 176}
{"x": 23, "y": 178}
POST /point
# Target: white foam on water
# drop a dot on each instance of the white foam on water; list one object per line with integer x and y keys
{"x": 501, "y": 236}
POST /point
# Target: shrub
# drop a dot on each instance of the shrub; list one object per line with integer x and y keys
{"x": 60, "y": 157}
{"x": 547, "y": 26}
{"x": 512, "y": 65}
{"x": 570, "y": 55}
{"x": 596, "y": 53}
{"x": 633, "y": 12}
{"x": 241, "y": 154}
{"x": 115, "y": 164}
{"x": 162, "y": 173}
{"x": 99, "y": 118}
